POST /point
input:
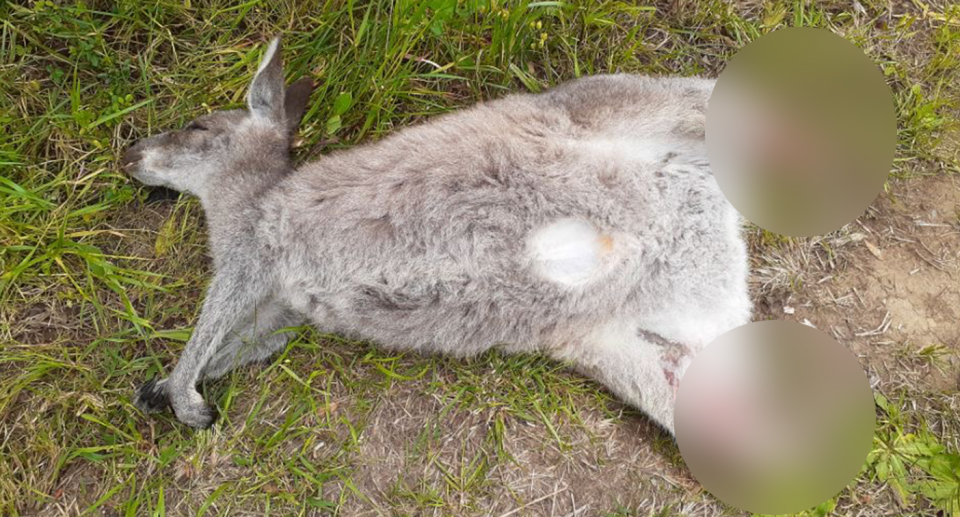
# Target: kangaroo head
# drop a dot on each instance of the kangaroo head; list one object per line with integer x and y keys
{"x": 228, "y": 147}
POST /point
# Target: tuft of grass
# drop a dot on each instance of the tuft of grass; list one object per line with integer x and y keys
{"x": 99, "y": 284}
{"x": 916, "y": 464}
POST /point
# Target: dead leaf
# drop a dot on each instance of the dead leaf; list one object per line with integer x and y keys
{"x": 874, "y": 250}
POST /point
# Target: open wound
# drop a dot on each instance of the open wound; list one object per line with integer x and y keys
{"x": 674, "y": 357}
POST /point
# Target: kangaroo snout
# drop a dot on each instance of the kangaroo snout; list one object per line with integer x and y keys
{"x": 131, "y": 158}
{"x": 132, "y": 163}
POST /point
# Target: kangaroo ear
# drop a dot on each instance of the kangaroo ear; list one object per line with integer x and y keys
{"x": 265, "y": 98}
{"x": 295, "y": 102}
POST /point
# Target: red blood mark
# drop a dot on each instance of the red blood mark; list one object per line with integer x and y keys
{"x": 672, "y": 381}
{"x": 671, "y": 378}
{"x": 671, "y": 355}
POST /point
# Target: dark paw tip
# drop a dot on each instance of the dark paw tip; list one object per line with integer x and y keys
{"x": 152, "y": 397}
{"x": 214, "y": 416}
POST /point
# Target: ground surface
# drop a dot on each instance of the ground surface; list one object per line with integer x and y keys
{"x": 100, "y": 282}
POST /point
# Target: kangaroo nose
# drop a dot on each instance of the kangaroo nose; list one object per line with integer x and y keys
{"x": 130, "y": 157}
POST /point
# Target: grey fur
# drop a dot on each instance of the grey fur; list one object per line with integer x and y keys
{"x": 426, "y": 240}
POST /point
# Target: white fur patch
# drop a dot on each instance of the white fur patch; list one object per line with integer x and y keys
{"x": 622, "y": 149}
{"x": 567, "y": 251}
{"x": 650, "y": 150}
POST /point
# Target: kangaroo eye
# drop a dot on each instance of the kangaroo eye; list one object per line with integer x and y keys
{"x": 195, "y": 126}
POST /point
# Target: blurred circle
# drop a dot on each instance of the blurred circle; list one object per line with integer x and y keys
{"x": 801, "y": 131}
{"x": 774, "y": 417}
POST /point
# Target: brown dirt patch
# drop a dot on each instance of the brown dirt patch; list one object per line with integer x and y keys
{"x": 892, "y": 296}
{"x": 416, "y": 447}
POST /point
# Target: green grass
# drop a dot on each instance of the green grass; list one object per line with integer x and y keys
{"x": 99, "y": 288}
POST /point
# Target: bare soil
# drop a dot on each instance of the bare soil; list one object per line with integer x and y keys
{"x": 895, "y": 291}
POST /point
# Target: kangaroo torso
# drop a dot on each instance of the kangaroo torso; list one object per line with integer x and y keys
{"x": 514, "y": 219}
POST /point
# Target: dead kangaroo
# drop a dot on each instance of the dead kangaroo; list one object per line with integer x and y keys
{"x": 583, "y": 223}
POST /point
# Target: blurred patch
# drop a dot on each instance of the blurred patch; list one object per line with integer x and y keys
{"x": 801, "y": 131}
{"x": 774, "y": 417}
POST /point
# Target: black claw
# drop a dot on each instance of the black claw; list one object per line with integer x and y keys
{"x": 214, "y": 416}
{"x": 152, "y": 398}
